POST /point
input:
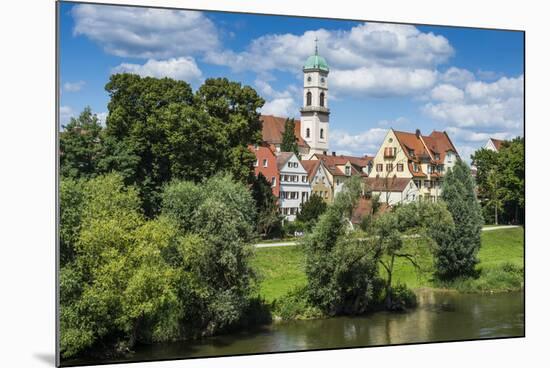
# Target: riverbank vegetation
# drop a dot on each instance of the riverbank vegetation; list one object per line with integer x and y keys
{"x": 500, "y": 258}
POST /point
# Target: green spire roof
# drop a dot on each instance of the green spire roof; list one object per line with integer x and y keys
{"x": 316, "y": 61}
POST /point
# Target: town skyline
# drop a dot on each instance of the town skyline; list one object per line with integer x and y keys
{"x": 467, "y": 82}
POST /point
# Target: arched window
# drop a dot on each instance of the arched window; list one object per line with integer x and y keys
{"x": 307, "y": 133}
{"x": 322, "y": 99}
{"x": 308, "y": 99}
{"x": 322, "y": 134}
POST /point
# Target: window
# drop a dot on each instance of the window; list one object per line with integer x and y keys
{"x": 400, "y": 167}
{"x": 348, "y": 170}
{"x": 427, "y": 184}
{"x": 308, "y": 133}
{"x": 390, "y": 140}
{"x": 415, "y": 167}
{"x": 308, "y": 99}
{"x": 289, "y": 164}
{"x": 322, "y": 134}
{"x": 286, "y": 177}
{"x": 273, "y": 181}
{"x": 337, "y": 181}
{"x": 379, "y": 168}
{"x": 256, "y": 163}
{"x": 449, "y": 157}
{"x": 389, "y": 167}
{"x": 304, "y": 179}
{"x": 264, "y": 162}
{"x": 256, "y": 147}
{"x": 436, "y": 156}
{"x": 411, "y": 152}
{"x": 295, "y": 164}
{"x": 322, "y": 99}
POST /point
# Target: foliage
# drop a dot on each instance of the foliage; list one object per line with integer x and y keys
{"x": 456, "y": 254}
{"x": 269, "y": 220}
{"x": 402, "y": 298}
{"x": 501, "y": 278}
{"x": 216, "y": 222}
{"x": 311, "y": 210}
{"x": 341, "y": 265}
{"x": 291, "y": 228}
{"x": 294, "y": 305}
{"x": 501, "y": 181}
{"x": 80, "y": 146}
{"x": 71, "y": 196}
{"x": 289, "y": 141}
{"x": 118, "y": 282}
{"x": 409, "y": 232}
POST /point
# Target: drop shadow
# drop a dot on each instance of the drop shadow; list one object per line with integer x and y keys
{"x": 45, "y": 358}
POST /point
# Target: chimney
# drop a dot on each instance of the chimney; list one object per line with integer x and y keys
{"x": 333, "y": 153}
{"x": 417, "y": 133}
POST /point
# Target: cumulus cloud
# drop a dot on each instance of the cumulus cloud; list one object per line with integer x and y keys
{"x": 73, "y": 86}
{"x": 447, "y": 92}
{"x": 183, "y": 68}
{"x": 278, "y": 103}
{"x": 370, "y": 58}
{"x": 383, "y": 81}
{"x": 145, "y": 32}
{"x": 366, "y": 142}
{"x": 484, "y": 105}
{"x": 457, "y": 77}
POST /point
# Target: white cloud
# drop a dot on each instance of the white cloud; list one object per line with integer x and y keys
{"x": 366, "y": 142}
{"x": 456, "y": 76}
{"x": 102, "y": 117}
{"x": 362, "y": 60}
{"x": 494, "y": 105}
{"x": 73, "y": 86}
{"x": 183, "y": 68}
{"x": 65, "y": 115}
{"x": 278, "y": 103}
{"x": 447, "y": 92}
{"x": 145, "y": 32}
{"x": 280, "y": 106}
{"x": 395, "y": 122}
{"x": 383, "y": 81}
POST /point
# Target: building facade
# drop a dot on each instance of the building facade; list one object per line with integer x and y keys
{"x": 294, "y": 185}
{"x": 319, "y": 179}
{"x": 424, "y": 159}
{"x": 266, "y": 164}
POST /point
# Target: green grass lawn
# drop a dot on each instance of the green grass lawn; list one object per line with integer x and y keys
{"x": 282, "y": 268}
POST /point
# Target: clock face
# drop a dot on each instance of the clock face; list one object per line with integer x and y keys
{"x": 309, "y": 79}
{"x": 322, "y": 80}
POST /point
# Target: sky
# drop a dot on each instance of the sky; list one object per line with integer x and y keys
{"x": 468, "y": 82}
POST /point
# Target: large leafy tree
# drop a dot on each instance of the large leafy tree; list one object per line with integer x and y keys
{"x": 341, "y": 264}
{"x": 289, "y": 141}
{"x": 457, "y": 255}
{"x": 501, "y": 181}
{"x": 80, "y": 145}
{"x": 236, "y": 107}
{"x": 117, "y": 287}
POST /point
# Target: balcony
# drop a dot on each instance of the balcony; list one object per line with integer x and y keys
{"x": 315, "y": 109}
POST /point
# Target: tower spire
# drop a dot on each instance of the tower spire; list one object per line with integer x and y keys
{"x": 316, "y": 46}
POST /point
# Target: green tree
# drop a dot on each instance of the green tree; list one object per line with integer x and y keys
{"x": 341, "y": 265}
{"x": 237, "y": 107}
{"x": 511, "y": 167}
{"x": 80, "y": 145}
{"x": 269, "y": 219}
{"x": 409, "y": 232}
{"x": 457, "y": 255}
{"x": 311, "y": 210}
{"x": 118, "y": 288}
{"x": 289, "y": 141}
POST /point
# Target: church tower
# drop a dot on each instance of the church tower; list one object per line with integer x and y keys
{"x": 315, "y": 112}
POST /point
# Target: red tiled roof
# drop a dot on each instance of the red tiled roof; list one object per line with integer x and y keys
{"x": 273, "y": 128}
{"x": 425, "y": 147}
{"x": 391, "y": 184}
{"x": 364, "y": 208}
{"x": 497, "y": 143}
{"x": 311, "y": 167}
{"x": 357, "y": 163}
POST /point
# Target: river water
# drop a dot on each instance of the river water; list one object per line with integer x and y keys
{"x": 440, "y": 316}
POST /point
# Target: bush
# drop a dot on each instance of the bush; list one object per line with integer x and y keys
{"x": 502, "y": 278}
{"x": 294, "y": 305}
{"x": 402, "y": 298}
{"x": 290, "y": 228}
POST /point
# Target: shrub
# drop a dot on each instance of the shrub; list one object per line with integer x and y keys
{"x": 402, "y": 298}
{"x": 294, "y": 305}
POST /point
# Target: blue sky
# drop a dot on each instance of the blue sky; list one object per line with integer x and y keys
{"x": 468, "y": 82}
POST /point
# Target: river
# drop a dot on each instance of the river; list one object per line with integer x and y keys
{"x": 440, "y": 316}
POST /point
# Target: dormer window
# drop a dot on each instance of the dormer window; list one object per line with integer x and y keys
{"x": 411, "y": 152}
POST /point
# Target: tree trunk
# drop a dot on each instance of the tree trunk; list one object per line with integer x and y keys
{"x": 389, "y": 300}
{"x": 496, "y": 214}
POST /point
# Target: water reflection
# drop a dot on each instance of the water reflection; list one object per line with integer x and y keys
{"x": 441, "y": 316}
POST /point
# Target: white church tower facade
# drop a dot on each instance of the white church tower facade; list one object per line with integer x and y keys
{"x": 315, "y": 112}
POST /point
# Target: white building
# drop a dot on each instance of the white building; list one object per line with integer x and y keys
{"x": 393, "y": 190}
{"x": 493, "y": 144}
{"x": 295, "y": 188}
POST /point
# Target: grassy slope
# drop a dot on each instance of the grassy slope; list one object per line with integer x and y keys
{"x": 282, "y": 267}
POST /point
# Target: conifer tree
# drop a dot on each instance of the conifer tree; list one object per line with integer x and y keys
{"x": 289, "y": 141}
{"x": 457, "y": 254}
